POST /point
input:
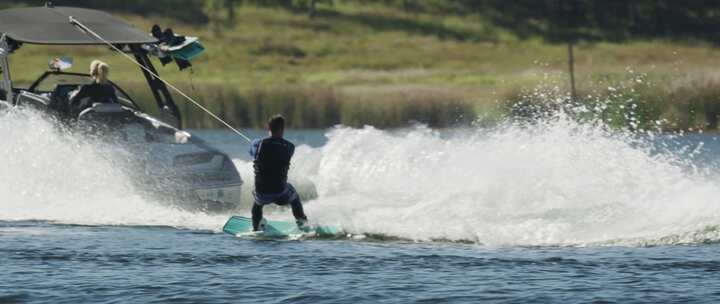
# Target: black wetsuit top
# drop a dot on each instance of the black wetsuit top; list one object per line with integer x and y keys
{"x": 272, "y": 162}
{"x": 92, "y": 93}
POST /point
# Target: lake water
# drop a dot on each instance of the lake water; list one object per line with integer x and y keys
{"x": 554, "y": 212}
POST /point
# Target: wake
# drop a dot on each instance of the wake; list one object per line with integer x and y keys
{"x": 557, "y": 182}
{"x": 553, "y": 182}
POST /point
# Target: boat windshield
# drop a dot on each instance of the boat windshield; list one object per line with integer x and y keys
{"x": 49, "y": 82}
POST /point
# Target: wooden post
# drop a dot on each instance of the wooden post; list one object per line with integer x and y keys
{"x": 230, "y": 6}
{"x": 571, "y": 64}
{"x": 312, "y": 8}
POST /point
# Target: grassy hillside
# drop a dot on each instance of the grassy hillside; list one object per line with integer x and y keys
{"x": 372, "y": 64}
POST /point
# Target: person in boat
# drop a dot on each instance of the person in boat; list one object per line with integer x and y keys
{"x": 271, "y": 161}
{"x": 99, "y": 91}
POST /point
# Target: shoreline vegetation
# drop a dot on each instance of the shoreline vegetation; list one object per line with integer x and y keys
{"x": 377, "y": 63}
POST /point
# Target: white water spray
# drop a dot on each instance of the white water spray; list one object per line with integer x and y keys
{"x": 49, "y": 174}
{"x": 558, "y": 182}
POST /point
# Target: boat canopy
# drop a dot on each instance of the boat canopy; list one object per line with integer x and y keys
{"x": 51, "y": 25}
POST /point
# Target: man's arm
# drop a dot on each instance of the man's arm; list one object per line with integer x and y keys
{"x": 77, "y": 95}
{"x": 254, "y": 147}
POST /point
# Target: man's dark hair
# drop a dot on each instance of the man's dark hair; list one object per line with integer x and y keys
{"x": 276, "y": 123}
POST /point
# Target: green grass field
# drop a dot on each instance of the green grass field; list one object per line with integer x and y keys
{"x": 372, "y": 64}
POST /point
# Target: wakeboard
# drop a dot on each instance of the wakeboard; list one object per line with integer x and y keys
{"x": 240, "y": 225}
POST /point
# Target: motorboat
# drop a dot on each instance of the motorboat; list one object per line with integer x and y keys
{"x": 168, "y": 162}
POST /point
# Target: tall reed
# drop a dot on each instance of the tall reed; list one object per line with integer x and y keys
{"x": 318, "y": 107}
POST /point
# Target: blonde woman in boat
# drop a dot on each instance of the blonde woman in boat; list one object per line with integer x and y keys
{"x": 98, "y": 91}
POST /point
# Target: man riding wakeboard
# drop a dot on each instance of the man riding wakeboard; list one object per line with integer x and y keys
{"x": 271, "y": 161}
